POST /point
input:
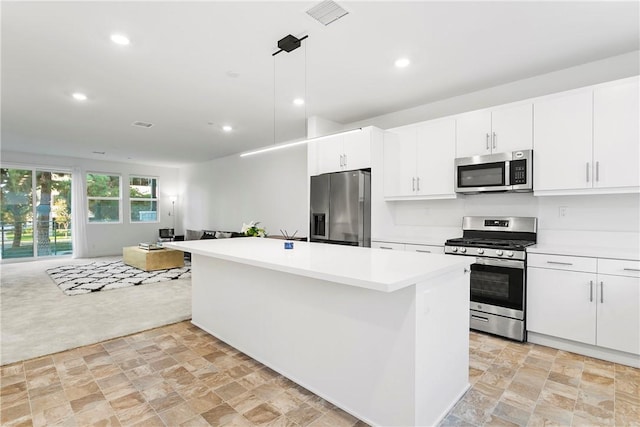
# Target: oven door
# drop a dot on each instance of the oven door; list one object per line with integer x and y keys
{"x": 498, "y": 287}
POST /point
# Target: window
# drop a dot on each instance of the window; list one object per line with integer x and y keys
{"x": 103, "y": 195}
{"x": 143, "y": 196}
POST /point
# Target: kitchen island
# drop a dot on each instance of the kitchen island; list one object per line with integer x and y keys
{"x": 381, "y": 334}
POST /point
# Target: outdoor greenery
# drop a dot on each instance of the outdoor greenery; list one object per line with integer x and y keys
{"x": 103, "y": 193}
{"x": 17, "y": 213}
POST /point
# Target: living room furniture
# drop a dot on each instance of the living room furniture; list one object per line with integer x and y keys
{"x": 149, "y": 260}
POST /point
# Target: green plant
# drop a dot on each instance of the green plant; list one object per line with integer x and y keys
{"x": 253, "y": 230}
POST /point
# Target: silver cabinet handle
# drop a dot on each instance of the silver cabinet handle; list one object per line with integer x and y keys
{"x": 386, "y": 247}
{"x": 601, "y": 292}
{"x": 494, "y": 140}
{"x": 597, "y": 171}
{"x": 418, "y": 182}
{"x": 413, "y": 184}
{"x": 482, "y": 319}
{"x": 590, "y": 290}
{"x": 587, "y": 171}
{"x": 559, "y": 263}
{"x": 423, "y": 251}
{"x": 341, "y": 160}
{"x": 631, "y": 269}
{"x": 487, "y": 141}
{"x": 345, "y": 160}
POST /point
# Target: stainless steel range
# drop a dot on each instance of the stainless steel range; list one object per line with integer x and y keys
{"x": 498, "y": 277}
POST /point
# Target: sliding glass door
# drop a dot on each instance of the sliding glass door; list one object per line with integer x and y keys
{"x": 35, "y": 208}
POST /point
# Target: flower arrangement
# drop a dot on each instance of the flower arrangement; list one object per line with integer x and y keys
{"x": 253, "y": 230}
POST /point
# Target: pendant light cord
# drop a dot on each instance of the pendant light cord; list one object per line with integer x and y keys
{"x": 274, "y": 100}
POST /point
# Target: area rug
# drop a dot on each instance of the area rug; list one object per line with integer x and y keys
{"x": 105, "y": 275}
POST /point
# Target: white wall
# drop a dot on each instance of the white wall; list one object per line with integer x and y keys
{"x": 109, "y": 239}
{"x": 271, "y": 188}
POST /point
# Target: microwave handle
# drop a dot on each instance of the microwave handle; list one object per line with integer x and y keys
{"x": 507, "y": 173}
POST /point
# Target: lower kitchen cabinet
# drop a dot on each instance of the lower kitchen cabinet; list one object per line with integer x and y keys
{"x": 409, "y": 247}
{"x": 561, "y": 304}
{"x": 587, "y": 300}
{"x": 425, "y": 249}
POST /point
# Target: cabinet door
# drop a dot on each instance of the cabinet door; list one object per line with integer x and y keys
{"x": 435, "y": 155}
{"x": 399, "y": 159}
{"x": 512, "y": 128}
{"x": 330, "y": 151}
{"x": 427, "y": 249}
{"x": 618, "y": 313}
{"x": 473, "y": 134}
{"x": 562, "y": 304}
{"x": 562, "y": 142}
{"x": 616, "y": 146}
{"x": 357, "y": 149}
{"x": 387, "y": 245}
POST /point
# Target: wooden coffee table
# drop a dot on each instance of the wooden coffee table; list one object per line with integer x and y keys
{"x": 157, "y": 259}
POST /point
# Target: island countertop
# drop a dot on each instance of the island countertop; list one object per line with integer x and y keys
{"x": 374, "y": 269}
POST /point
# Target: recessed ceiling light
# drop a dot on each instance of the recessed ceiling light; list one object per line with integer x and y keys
{"x": 79, "y": 96}
{"x": 233, "y": 74}
{"x": 120, "y": 39}
{"x": 402, "y": 62}
{"x": 227, "y": 128}
{"x": 298, "y": 101}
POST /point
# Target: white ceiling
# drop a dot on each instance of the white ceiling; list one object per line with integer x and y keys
{"x": 175, "y": 72}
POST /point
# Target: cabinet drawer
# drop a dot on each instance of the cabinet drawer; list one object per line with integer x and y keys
{"x": 387, "y": 245}
{"x": 618, "y": 267}
{"x": 561, "y": 262}
{"x": 429, "y": 249}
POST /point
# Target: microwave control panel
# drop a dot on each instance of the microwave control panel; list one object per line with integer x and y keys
{"x": 518, "y": 172}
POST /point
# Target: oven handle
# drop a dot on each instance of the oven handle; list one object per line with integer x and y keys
{"x": 497, "y": 262}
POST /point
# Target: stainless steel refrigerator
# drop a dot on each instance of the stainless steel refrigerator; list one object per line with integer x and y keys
{"x": 341, "y": 208}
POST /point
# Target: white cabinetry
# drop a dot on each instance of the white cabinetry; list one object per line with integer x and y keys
{"x": 409, "y": 247}
{"x": 504, "y": 129}
{"x": 586, "y": 300}
{"x": 425, "y": 249}
{"x": 388, "y": 245}
{"x": 616, "y": 141}
{"x": 347, "y": 151}
{"x": 418, "y": 161}
{"x": 588, "y": 141}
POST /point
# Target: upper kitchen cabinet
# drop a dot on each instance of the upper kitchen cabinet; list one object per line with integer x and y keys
{"x": 616, "y": 141}
{"x": 499, "y": 130}
{"x": 587, "y": 141}
{"x": 345, "y": 151}
{"x": 418, "y": 161}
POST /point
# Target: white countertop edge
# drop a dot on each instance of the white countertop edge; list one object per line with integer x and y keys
{"x": 592, "y": 252}
{"x": 463, "y": 262}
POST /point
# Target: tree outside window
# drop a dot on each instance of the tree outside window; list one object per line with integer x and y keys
{"x": 103, "y": 195}
{"x": 143, "y": 199}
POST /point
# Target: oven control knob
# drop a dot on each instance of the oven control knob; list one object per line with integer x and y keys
{"x": 509, "y": 254}
{"x": 499, "y": 252}
{"x": 454, "y": 249}
{"x": 463, "y": 250}
{"x": 480, "y": 250}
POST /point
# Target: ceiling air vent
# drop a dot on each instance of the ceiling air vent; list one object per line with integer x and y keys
{"x": 142, "y": 124}
{"x": 326, "y": 12}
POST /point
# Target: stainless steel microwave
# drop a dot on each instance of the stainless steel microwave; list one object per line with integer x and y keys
{"x": 495, "y": 172}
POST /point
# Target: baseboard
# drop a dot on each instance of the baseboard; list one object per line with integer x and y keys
{"x": 585, "y": 349}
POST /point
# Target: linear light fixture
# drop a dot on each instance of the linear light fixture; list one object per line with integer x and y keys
{"x": 293, "y": 144}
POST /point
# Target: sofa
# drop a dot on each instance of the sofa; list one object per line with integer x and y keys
{"x": 208, "y": 234}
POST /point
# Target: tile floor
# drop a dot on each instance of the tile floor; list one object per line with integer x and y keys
{"x": 179, "y": 375}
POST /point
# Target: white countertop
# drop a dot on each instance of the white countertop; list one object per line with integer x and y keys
{"x": 374, "y": 269}
{"x": 586, "y": 251}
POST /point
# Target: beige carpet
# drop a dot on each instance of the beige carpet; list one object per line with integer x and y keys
{"x": 37, "y": 319}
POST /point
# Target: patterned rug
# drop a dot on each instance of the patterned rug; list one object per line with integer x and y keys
{"x": 105, "y": 275}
